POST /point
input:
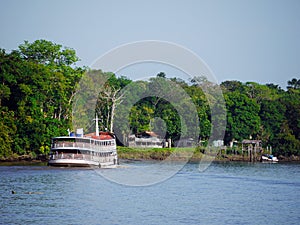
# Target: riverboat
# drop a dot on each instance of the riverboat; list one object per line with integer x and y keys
{"x": 97, "y": 149}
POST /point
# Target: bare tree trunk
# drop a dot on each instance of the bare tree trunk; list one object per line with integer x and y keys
{"x": 107, "y": 118}
{"x": 112, "y": 115}
{"x": 111, "y": 97}
{"x": 59, "y": 112}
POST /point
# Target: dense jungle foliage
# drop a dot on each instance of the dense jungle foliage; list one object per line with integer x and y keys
{"x": 38, "y": 89}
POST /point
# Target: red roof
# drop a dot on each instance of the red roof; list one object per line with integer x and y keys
{"x": 102, "y": 135}
{"x": 147, "y": 133}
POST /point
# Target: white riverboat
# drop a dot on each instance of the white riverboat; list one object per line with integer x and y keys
{"x": 96, "y": 149}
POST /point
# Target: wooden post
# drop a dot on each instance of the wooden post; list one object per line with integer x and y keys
{"x": 254, "y": 153}
{"x": 249, "y": 153}
{"x": 250, "y": 147}
{"x": 243, "y": 151}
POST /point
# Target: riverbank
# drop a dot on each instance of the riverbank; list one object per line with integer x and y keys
{"x": 24, "y": 159}
{"x": 159, "y": 154}
{"x": 185, "y": 154}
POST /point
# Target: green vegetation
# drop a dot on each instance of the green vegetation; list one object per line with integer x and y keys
{"x": 143, "y": 153}
{"x": 265, "y": 112}
{"x": 39, "y": 83}
{"x": 178, "y": 154}
{"x": 159, "y": 153}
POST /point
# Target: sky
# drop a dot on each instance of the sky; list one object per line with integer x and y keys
{"x": 245, "y": 40}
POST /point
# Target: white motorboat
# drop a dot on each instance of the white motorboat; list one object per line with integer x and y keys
{"x": 269, "y": 158}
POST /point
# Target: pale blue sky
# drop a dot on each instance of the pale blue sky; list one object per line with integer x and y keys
{"x": 254, "y": 40}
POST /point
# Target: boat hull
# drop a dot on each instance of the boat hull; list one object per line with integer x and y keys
{"x": 79, "y": 163}
{"x": 71, "y": 163}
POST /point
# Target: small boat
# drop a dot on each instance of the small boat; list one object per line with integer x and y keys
{"x": 96, "y": 149}
{"x": 268, "y": 158}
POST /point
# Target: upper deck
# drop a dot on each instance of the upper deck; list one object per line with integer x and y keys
{"x": 83, "y": 143}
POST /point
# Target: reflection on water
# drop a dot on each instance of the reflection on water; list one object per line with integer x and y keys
{"x": 226, "y": 193}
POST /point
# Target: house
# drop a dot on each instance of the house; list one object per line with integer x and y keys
{"x": 185, "y": 142}
{"x": 218, "y": 143}
{"x": 146, "y": 139}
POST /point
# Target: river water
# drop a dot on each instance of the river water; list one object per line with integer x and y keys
{"x": 225, "y": 193}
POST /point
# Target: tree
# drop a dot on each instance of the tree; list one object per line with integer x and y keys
{"x": 276, "y": 87}
{"x": 232, "y": 86}
{"x": 48, "y": 53}
{"x": 292, "y": 104}
{"x": 242, "y": 117}
{"x": 286, "y": 143}
{"x": 294, "y": 84}
{"x": 7, "y": 133}
{"x": 62, "y": 76}
{"x": 272, "y": 115}
{"x": 111, "y": 96}
{"x": 38, "y": 83}
{"x": 161, "y": 75}
{"x": 199, "y": 99}
{"x": 260, "y": 92}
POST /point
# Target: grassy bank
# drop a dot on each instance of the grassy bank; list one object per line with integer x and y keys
{"x": 190, "y": 154}
{"x": 143, "y": 153}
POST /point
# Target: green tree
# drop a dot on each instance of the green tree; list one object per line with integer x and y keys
{"x": 242, "y": 117}
{"x": 292, "y": 103}
{"x": 8, "y": 131}
{"x": 294, "y": 84}
{"x": 272, "y": 115}
{"x": 199, "y": 99}
{"x": 231, "y": 86}
{"x": 286, "y": 143}
{"x": 38, "y": 83}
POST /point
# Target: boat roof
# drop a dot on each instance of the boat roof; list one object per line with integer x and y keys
{"x": 103, "y": 135}
{"x": 101, "y": 138}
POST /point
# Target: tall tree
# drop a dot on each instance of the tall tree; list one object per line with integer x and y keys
{"x": 272, "y": 115}
{"x": 242, "y": 117}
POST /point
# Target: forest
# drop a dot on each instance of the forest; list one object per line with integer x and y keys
{"x": 41, "y": 85}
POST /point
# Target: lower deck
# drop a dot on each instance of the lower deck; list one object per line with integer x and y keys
{"x": 78, "y": 158}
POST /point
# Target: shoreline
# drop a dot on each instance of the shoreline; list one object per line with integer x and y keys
{"x": 163, "y": 153}
{"x": 160, "y": 154}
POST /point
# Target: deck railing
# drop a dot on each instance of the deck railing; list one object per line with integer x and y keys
{"x": 80, "y": 145}
{"x": 83, "y": 157}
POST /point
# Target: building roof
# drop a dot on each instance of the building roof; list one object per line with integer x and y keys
{"x": 251, "y": 141}
{"x": 147, "y": 134}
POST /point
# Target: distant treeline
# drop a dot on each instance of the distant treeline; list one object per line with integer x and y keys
{"x": 39, "y": 83}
